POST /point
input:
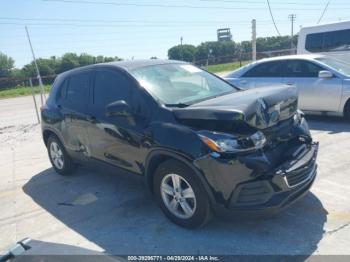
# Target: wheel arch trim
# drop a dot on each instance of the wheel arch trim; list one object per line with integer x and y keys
{"x": 53, "y": 131}
{"x": 169, "y": 154}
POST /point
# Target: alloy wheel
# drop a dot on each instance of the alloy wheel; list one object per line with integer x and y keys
{"x": 178, "y": 196}
{"x": 56, "y": 155}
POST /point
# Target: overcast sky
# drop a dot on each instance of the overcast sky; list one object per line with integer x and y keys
{"x": 144, "y": 28}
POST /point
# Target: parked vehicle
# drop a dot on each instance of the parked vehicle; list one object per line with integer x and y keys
{"x": 329, "y": 39}
{"x": 323, "y": 82}
{"x": 201, "y": 144}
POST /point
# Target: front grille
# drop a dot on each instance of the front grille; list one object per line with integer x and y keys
{"x": 297, "y": 177}
{"x": 252, "y": 193}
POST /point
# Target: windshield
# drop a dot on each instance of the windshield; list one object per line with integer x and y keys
{"x": 338, "y": 65}
{"x": 180, "y": 84}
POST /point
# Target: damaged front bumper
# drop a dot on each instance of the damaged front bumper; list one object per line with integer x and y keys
{"x": 244, "y": 185}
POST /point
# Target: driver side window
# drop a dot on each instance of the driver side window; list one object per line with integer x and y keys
{"x": 109, "y": 86}
{"x": 299, "y": 68}
{"x": 267, "y": 69}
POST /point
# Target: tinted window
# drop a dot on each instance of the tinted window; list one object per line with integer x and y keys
{"x": 268, "y": 69}
{"x": 77, "y": 91}
{"x": 314, "y": 42}
{"x": 299, "y": 68}
{"x": 110, "y": 87}
{"x": 62, "y": 91}
{"x": 139, "y": 104}
{"x": 328, "y": 41}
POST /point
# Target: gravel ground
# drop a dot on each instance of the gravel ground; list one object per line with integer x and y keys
{"x": 108, "y": 212}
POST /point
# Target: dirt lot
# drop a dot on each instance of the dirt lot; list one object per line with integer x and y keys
{"x": 114, "y": 213}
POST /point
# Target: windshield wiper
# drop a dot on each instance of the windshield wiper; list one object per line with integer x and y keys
{"x": 180, "y": 105}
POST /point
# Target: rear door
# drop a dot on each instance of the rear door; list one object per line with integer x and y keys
{"x": 263, "y": 74}
{"x": 315, "y": 94}
{"x": 72, "y": 102}
{"x": 115, "y": 139}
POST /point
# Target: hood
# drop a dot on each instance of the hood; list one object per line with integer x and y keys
{"x": 251, "y": 109}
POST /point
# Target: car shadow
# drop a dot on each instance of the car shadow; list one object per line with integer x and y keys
{"x": 117, "y": 213}
{"x": 331, "y": 124}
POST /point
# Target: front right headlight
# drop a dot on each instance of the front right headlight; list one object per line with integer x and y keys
{"x": 223, "y": 143}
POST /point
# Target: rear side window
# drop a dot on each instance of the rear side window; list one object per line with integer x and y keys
{"x": 300, "y": 68}
{"x": 62, "y": 91}
{"x": 314, "y": 42}
{"x": 328, "y": 41}
{"x": 110, "y": 86}
{"x": 77, "y": 91}
{"x": 73, "y": 92}
{"x": 268, "y": 69}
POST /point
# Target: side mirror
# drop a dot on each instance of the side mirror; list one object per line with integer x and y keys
{"x": 325, "y": 74}
{"x": 118, "y": 108}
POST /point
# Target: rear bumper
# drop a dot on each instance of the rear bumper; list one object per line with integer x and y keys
{"x": 268, "y": 193}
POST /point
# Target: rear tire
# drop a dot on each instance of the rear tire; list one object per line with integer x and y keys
{"x": 60, "y": 160}
{"x": 185, "y": 203}
{"x": 347, "y": 111}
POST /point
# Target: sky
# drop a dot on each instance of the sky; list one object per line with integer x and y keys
{"x": 139, "y": 29}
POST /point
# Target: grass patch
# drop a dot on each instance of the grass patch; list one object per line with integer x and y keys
{"x": 224, "y": 67}
{"x": 21, "y": 91}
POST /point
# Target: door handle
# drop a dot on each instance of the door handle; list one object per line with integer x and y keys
{"x": 243, "y": 82}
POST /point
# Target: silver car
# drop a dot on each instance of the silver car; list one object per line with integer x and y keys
{"x": 323, "y": 82}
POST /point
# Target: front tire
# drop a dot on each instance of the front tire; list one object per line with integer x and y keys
{"x": 60, "y": 160}
{"x": 180, "y": 195}
{"x": 347, "y": 111}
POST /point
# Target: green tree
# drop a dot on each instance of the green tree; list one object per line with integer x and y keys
{"x": 217, "y": 52}
{"x": 46, "y": 67}
{"x": 18, "y": 73}
{"x": 111, "y": 59}
{"x": 68, "y": 61}
{"x": 85, "y": 59}
{"x": 6, "y": 65}
{"x": 185, "y": 52}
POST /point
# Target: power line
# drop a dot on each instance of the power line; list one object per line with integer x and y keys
{"x": 292, "y": 18}
{"x": 101, "y": 22}
{"x": 104, "y": 25}
{"x": 127, "y": 23}
{"x": 126, "y": 20}
{"x": 273, "y": 19}
{"x": 89, "y": 2}
{"x": 262, "y": 2}
{"x": 324, "y": 11}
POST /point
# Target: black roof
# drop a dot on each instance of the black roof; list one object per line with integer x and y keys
{"x": 128, "y": 65}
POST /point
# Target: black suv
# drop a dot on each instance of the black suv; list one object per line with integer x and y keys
{"x": 201, "y": 144}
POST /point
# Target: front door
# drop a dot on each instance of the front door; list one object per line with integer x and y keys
{"x": 114, "y": 139}
{"x": 315, "y": 93}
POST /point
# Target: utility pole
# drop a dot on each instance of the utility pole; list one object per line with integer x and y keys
{"x": 209, "y": 54}
{"x": 292, "y": 18}
{"x": 36, "y": 66}
{"x": 182, "y": 50}
{"x": 254, "y": 40}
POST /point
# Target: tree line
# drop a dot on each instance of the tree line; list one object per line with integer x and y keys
{"x": 212, "y": 52}
{"x": 221, "y": 52}
{"x": 50, "y": 66}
